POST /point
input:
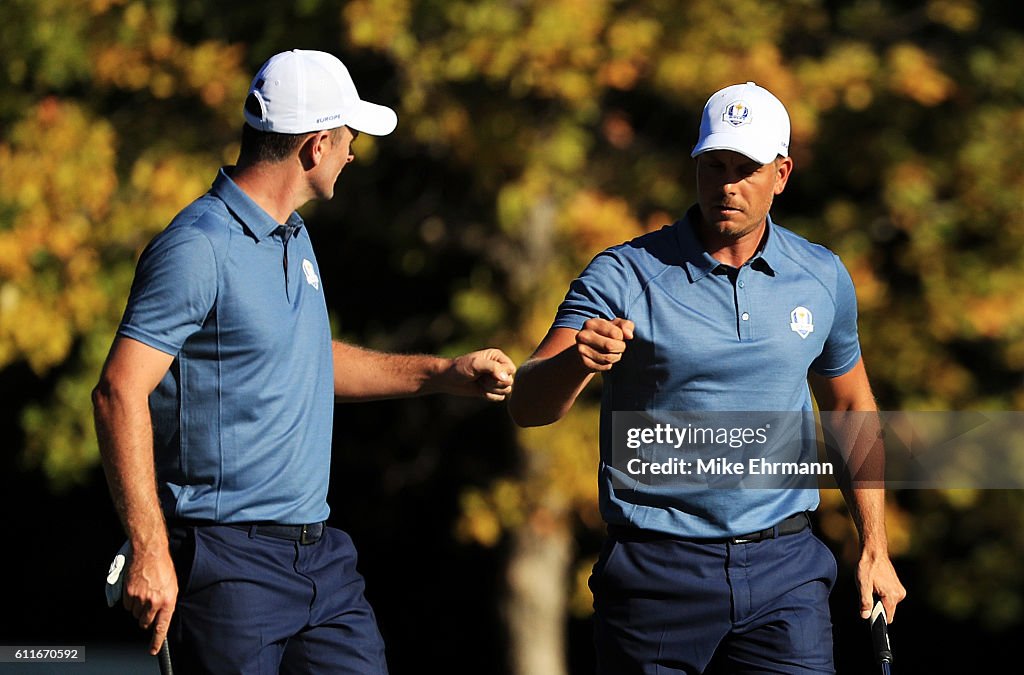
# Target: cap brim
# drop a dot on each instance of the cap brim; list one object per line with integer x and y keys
{"x": 736, "y": 143}
{"x": 373, "y": 119}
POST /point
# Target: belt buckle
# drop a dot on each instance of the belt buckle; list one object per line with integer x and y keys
{"x": 306, "y": 536}
{"x": 755, "y": 537}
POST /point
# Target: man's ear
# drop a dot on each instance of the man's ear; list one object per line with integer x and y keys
{"x": 312, "y": 150}
{"x": 783, "y": 169}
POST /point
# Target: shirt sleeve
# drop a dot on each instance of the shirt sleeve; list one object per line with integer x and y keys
{"x": 601, "y": 290}
{"x": 175, "y": 288}
{"x": 842, "y": 346}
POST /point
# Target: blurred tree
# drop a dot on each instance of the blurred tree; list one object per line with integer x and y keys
{"x": 533, "y": 135}
{"x": 102, "y": 144}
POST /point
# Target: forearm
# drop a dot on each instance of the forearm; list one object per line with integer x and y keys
{"x": 867, "y": 509}
{"x": 861, "y": 453}
{"x": 849, "y": 416}
{"x": 124, "y": 432}
{"x": 363, "y": 374}
{"x": 547, "y": 388}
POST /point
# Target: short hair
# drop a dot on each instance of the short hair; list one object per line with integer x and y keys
{"x": 267, "y": 146}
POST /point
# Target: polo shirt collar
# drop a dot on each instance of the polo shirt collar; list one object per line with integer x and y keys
{"x": 699, "y": 263}
{"x": 770, "y": 252}
{"x": 253, "y": 218}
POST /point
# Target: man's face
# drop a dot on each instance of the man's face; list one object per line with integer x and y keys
{"x": 735, "y": 192}
{"x": 337, "y": 155}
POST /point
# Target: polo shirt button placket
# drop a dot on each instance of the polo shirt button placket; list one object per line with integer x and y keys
{"x": 286, "y": 232}
{"x": 742, "y": 306}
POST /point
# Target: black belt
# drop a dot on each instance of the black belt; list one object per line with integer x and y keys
{"x": 304, "y": 534}
{"x": 796, "y": 523}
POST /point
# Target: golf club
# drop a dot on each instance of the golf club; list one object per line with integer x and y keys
{"x": 880, "y": 637}
{"x": 114, "y": 589}
{"x": 164, "y": 659}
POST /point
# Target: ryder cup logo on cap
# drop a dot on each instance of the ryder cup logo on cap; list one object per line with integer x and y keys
{"x": 747, "y": 119}
{"x": 737, "y": 113}
{"x": 301, "y": 91}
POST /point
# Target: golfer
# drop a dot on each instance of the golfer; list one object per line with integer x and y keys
{"x": 722, "y": 311}
{"x": 214, "y": 408}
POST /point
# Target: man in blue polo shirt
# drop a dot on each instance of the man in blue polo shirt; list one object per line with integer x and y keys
{"x": 723, "y": 311}
{"x": 214, "y": 408}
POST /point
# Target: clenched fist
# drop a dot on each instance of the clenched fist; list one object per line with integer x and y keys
{"x": 601, "y": 343}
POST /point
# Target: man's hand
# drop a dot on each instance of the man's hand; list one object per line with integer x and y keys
{"x": 601, "y": 343}
{"x": 876, "y": 576}
{"x": 150, "y": 592}
{"x": 487, "y": 373}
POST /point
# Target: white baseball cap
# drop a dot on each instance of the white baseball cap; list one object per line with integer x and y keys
{"x": 302, "y": 91}
{"x": 747, "y": 119}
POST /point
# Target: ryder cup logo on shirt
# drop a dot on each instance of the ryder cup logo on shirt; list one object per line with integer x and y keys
{"x": 736, "y": 113}
{"x": 311, "y": 278}
{"x": 801, "y": 322}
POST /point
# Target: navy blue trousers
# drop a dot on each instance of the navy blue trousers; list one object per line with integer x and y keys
{"x": 259, "y": 605}
{"x": 664, "y": 605}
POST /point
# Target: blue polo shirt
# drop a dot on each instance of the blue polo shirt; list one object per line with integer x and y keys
{"x": 711, "y": 338}
{"x": 242, "y": 420}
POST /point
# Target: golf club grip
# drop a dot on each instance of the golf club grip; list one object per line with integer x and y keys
{"x": 164, "y": 657}
{"x": 880, "y": 634}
